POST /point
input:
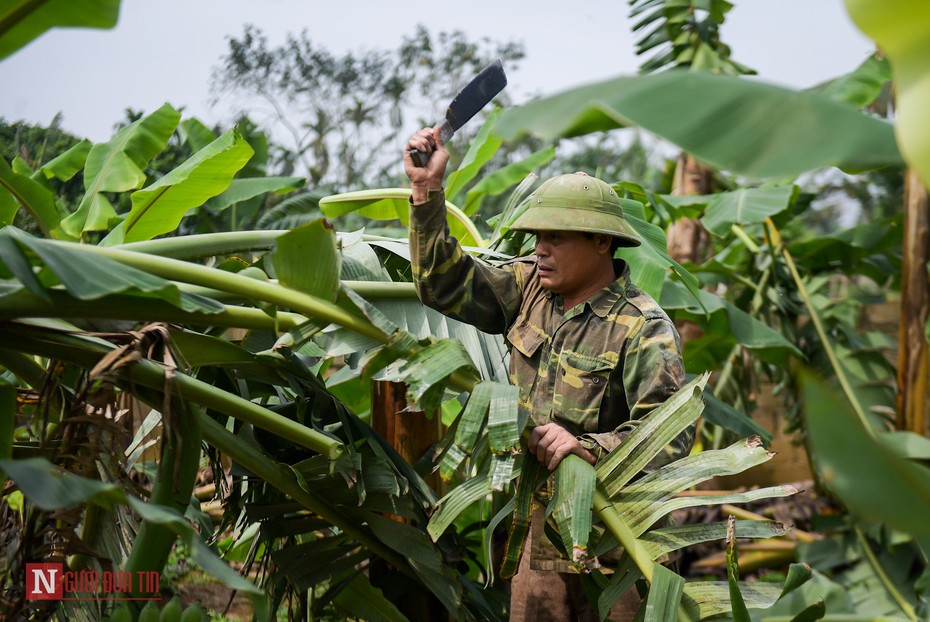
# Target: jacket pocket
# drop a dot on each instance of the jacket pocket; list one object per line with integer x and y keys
{"x": 580, "y": 388}
{"x": 526, "y": 349}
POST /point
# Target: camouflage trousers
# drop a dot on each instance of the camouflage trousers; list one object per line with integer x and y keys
{"x": 547, "y": 595}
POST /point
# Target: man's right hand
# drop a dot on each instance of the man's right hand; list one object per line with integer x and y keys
{"x": 429, "y": 177}
{"x": 550, "y": 443}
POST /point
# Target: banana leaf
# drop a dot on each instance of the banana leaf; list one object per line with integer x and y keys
{"x": 871, "y": 480}
{"x": 21, "y": 21}
{"x": 703, "y": 599}
{"x": 241, "y": 190}
{"x": 746, "y": 206}
{"x": 480, "y": 151}
{"x": 506, "y": 177}
{"x": 862, "y": 86}
{"x": 68, "y": 164}
{"x": 19, "y": 190}
{"x": 391, "y": 203}
{"x": 743, "y": 126}
{"x": 571, "y": 505}
{"x": 78, "y": 273}
{"x": 307, "y": 260}
{"x": 653, "y": 433}
{"x": 897, "y": 32}
{"x": 159, "y": 207}
{"x": 117, "y": 166}
{"x": 359, "y": 599}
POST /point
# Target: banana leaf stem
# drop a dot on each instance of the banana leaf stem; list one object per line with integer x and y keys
{"x": 152, "y": 375}
{"x": 67, "y": 347}
{"x": 172, "y": 487}
{"x": 206, "y": 244}
{"x": 618, "y": 527}
{"x": 300, "y": 302}
{"x": 62, "y": 305}
{"x": 883, "y": 576}
{"x": 821, "y": 332}
{"x": 744, "y": 238}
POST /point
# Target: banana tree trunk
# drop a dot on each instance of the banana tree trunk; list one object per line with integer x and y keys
{"x": 688, "y": 241}
{"x": 913, "y": 370}
{"x": 411, "y": 433}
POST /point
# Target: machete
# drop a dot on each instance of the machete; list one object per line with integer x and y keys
{"x": 476, "y": 94}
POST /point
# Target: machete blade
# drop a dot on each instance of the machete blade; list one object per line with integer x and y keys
{"x": 475, "y": 96}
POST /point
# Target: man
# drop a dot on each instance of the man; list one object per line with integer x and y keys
{"x": 590, "y": 353}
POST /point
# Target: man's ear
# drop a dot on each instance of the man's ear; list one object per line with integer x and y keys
{"x": 603, "y": 243}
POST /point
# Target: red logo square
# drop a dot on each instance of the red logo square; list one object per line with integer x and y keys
{"x": 43, "y": 581}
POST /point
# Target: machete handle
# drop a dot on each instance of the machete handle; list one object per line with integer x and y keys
{"x": 420, "y": 158}
{"x": 446, "y": 131}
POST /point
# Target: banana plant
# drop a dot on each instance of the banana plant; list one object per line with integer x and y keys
{"x": 267, "y": 400}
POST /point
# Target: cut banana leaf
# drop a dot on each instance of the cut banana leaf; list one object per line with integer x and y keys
{"x": 648, "y": 516}
{"x": 636, "y": 499}
{"x": 624, "y": 577}
{"x": 706, "y": 598}
{"x": 427, "y": 371}
{"x": 662, "y": 541}
{"x": 664, "y": 596}
{"x": 651, "y": 435}
{"x": 737, "y": 605}
{"x": 575, "y": 480}
{"x": 531, "y": 475}
{"x": 457, "y": 501}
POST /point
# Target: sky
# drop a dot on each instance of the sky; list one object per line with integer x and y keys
{"x": 165, "y": 51}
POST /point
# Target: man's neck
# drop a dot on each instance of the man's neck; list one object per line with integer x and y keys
{"x": 605, "y": 277}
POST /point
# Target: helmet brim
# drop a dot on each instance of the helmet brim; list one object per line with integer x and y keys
{"x": 552, "y": 218}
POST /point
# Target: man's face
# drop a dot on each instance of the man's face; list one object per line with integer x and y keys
{"x": 570, "y": 263}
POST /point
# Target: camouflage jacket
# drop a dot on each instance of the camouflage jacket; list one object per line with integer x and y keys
{"x": 595, "y": 369}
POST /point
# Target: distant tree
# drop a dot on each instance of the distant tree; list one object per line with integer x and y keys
{"x": 35, "y": 145}
{"x": 344, "y": 113}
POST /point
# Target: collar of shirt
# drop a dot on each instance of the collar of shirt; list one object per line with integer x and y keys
{"x": 602, "y": 302}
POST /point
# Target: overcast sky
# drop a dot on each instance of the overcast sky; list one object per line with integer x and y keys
{"x": 164, "y": 51}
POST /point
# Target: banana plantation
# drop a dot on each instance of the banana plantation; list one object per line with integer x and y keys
{"x": 211, "y": 367}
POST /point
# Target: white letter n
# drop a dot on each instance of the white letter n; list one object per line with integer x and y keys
{"x": 47, "y": 577}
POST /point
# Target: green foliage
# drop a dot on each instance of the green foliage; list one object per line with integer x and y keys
{"x": 715, "y": 118}
{"x": 684, "y": 34}
{"x": 311, "y": 482}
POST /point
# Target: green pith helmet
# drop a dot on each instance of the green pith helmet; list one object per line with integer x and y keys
{"x": 578, "y": 202}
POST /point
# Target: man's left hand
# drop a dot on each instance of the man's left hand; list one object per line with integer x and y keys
{"x": 550, "y": 443}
